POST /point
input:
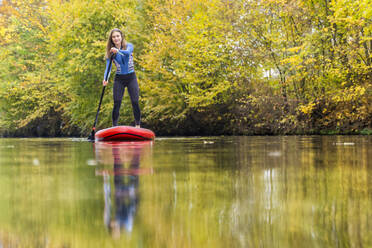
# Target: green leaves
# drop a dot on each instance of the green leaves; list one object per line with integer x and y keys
{"x": 187, "y": 58}
{"x": 269, "y": 65}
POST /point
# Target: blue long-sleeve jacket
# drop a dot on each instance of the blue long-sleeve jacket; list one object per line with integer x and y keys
{"x": 123, "y": 61}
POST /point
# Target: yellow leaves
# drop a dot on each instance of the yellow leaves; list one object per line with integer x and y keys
{"x": 293, "y": 60}
{"x": 349, "y": 94}
{"x": 2, "y": 31}
{"x": 195, "y": 53}
{"x": 24, "y": 13}
{"x": 187, "y": 49}
{"x": 294, "y": 49}
{"x": 352, "y": 14}
{"x": 307, "y": 109}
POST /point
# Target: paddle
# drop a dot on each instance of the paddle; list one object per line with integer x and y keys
{"x": 91, "y": 136}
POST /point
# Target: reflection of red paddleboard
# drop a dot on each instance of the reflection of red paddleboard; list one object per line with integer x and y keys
{"x": 129, "y": 172}
{"x": 123, "y": 133}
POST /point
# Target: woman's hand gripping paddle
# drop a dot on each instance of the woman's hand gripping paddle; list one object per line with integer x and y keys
{"x": 91, "y": 136}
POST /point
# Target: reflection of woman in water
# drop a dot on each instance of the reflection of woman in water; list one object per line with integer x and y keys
{"x": 126, "y": 181}
{"x": 126, "y": 191}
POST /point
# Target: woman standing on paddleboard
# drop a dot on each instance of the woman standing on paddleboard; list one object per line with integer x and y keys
{"x": 125, "y": 75}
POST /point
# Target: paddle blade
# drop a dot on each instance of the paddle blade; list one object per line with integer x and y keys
{"x": 91, "y": 136}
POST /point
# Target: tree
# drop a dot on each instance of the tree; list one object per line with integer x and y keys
{"x": 29, "y": 94}
{"x": 78, "y": 36}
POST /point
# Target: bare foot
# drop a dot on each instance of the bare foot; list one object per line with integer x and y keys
{"x": 138, "y": 126}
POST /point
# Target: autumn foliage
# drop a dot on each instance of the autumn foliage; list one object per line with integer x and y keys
{"x": 204, "y": 66}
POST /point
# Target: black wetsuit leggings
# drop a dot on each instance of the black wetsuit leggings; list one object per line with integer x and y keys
{"x": 120, "y": 82}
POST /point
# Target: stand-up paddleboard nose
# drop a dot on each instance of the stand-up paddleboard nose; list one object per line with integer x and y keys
{"x": 124, "y": 133}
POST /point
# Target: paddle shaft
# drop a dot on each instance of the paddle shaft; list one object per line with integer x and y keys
{"x": 103, "y": 92}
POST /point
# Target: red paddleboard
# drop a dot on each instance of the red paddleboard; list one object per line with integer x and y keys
{"x": 124, "y": 133}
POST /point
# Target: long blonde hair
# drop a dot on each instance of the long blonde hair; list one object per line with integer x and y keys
{"x": 111, "y": 44}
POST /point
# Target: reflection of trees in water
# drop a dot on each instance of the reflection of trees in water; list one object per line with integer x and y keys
{"x": 120, "y": 217}
{"x": 301, "y": 192}
{"x": 260, "y": 191}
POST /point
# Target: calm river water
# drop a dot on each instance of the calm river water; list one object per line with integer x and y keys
{"x": 282, "y": 191}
